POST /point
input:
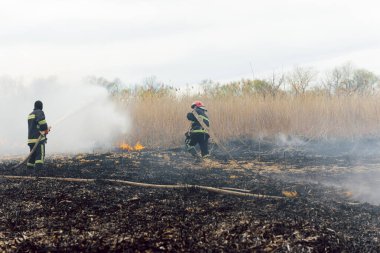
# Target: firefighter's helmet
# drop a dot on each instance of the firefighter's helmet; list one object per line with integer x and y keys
{"x": 38, "y": 105}
{"x": 197, "y": 104}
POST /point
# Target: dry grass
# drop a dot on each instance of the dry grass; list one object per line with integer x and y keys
{"x": 161, "y": 121}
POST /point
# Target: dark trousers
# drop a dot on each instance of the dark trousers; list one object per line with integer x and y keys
{"x": 197, "y": 138}
{"x": 38, "y": 157}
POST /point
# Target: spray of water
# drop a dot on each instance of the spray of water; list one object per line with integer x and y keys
{"x": 82, "y": 116}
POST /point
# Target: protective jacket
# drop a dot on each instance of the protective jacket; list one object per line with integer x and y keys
{"x": 195, "y": 125}
{"x": 36, "y": 123}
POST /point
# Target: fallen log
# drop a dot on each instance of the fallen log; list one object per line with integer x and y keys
{"x": 237, "y": 192}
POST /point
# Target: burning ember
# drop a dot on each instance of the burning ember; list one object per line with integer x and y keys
{"x": 137, "y": 147}
{"x": 289, "y": 194}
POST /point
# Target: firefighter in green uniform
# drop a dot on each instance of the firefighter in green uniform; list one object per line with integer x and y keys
{"x": 37, "y": 126}
{"x": 197, "y": 134}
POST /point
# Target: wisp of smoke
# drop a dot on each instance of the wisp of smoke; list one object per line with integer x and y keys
{"x": 363, "y": 186}
{"x": 82, "y": 116}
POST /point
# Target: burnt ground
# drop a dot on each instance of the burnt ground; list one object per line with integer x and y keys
{"x": 48, "y": 216}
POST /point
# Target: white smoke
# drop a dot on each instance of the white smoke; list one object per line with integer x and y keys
{"x": 82, "y": 116}
{"x": 288, "y": 140}
{"x": 362, "y": 184}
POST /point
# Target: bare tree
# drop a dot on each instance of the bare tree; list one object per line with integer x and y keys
{"x": 275, "y": 82}
{"x": 300, "y": 79}
{"x": 346, "y": 80}
{"x": 333, "y": 80}
{"x": 113, "y": 87}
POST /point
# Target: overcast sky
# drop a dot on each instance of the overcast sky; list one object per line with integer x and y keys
{"x": 183, "y": 42}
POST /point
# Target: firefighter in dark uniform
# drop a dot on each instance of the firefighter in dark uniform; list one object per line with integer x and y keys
{"x": 197, "y": 134}
{"x": 37, "y": 126}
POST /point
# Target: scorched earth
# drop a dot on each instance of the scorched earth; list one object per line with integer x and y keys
{"x": 299, "y": 208}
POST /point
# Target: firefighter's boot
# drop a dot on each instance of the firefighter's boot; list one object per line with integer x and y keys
{"x": 194, "y": 153}
{"x": 39, "y": 169}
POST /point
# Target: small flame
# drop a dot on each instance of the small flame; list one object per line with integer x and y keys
{"x": 348, "y": 194}
{"x": 137, "y": 147}
{"x": 125, "y": 146}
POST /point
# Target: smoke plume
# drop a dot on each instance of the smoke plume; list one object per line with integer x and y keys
{"x": 82, "y": 116}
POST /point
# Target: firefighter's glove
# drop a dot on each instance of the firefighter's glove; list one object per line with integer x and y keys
{"x": 187, "y": 134}
{"x": 45, "y": 132}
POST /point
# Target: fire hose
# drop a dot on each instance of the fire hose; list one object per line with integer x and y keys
{"x": 30, "y": 154}
{"x": 227, "y": 191}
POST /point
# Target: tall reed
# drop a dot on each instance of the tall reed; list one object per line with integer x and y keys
{"x": 161, "y": 121}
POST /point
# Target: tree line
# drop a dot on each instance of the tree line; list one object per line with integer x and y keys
{"x": 344, "y": 80}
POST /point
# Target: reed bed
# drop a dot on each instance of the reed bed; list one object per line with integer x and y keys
{"x": 161, "y": 121}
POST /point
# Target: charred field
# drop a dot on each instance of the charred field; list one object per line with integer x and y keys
{"x": 317, "y": 211}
